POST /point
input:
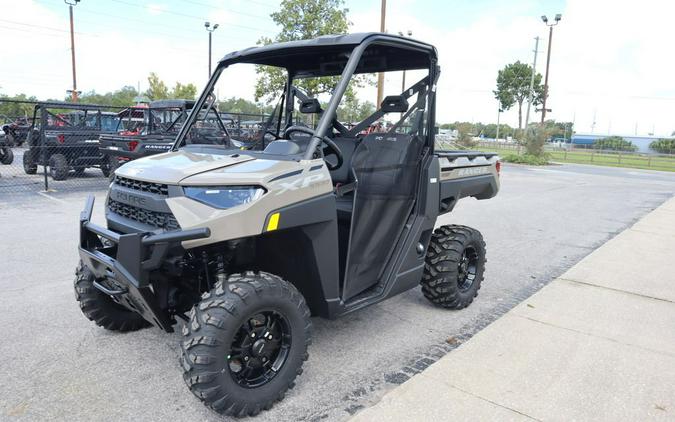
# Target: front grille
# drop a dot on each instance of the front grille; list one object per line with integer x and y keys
{"x": 155, "y": 188}
{"x": 161, "y": 220}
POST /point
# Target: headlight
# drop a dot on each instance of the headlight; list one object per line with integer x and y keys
{"x": 224, "y": 197}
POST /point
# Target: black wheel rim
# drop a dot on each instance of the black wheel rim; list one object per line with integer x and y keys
{"x": 467, "y": 268}
{"x": 259, "y": 349}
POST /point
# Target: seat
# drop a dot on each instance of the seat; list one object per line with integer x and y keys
{"x": 344, "y": 175}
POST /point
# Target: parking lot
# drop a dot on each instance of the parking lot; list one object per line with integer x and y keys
{"x": 59, "y": 365}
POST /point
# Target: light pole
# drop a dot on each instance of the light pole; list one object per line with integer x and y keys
{"x": 548, "y": 60}
{"x": 210, "y": 30}
{"x": 403, "y": 81}
{"x": 499, "y": 111}
{"x": 70, "y": 4}
{"x": 380, "y": 75}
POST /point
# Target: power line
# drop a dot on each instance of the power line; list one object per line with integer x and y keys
{"x": 41, "y": 27}
{"x": 172, "y": 12}
{"x": 227, "y": 10}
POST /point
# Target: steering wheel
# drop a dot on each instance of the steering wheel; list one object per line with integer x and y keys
{"x": 330, "y": 149}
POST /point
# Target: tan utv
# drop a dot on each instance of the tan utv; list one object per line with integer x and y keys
{"x": 245, "y": 246}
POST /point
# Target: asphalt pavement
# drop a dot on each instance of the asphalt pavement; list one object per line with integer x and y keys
{"x": 58, "y": 365}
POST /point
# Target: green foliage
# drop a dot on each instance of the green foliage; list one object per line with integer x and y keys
{"x": 465, "y": 135}
{"x": 663, "y": 145}
{"x": 121, "y": 98}
{"x": 532, "y": 160}
{"x": 13, "y": 110}
{"x": 241, "y": 105}
{"x": 299, "y": 20}
{"x": 535, "y": 140}
{"x": 513, "y": 87}
{"x": 353, "y": 110}
{"x": 158, "y": 90}
{"x": 188, "y": 92}
{"x": 614, "y": 143}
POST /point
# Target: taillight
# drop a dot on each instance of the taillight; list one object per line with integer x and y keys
{"x": 499, "y": 167}
{"x": 133, "y": 145}
{"x": 61, "y": 138}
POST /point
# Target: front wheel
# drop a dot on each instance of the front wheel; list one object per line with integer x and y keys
{"x": 454, "y": 266}
{"x": 100, "y": 308}
{"x": 245, "y": 343}
{"x": 58, "y": 167}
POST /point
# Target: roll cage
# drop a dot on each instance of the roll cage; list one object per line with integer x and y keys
{"x": 343, "y": 56}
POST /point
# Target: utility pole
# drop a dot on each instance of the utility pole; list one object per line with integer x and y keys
{"x": 380, "y": 76}
{"x": 534, "y": 71}
{"x": 210, "y": 30}
{"x": 548, "y": 61}
{"x": 71, "y": 3}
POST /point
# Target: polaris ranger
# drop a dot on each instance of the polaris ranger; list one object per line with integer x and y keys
{"x": 152, "y": 129}
{"x": 64, "y": 137}
{"x": 245, "y": 245}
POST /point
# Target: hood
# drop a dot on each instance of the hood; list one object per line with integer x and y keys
{"x": 172, "y": 167}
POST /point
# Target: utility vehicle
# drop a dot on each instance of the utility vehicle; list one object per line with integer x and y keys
{"x": 245, "y": 245}
{"x": 152, "y": 129}
{"x": 64, "y": 137}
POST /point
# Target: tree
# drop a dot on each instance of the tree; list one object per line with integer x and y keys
{"x": 299, "y": 20}
{"x": 353, "y": 110}
{"x": 123, "y": 97}
{"x": 663, "y": 145}
{"x": 513, "y": 87}
{"x": 12, "y": 110}
{"x": 614, "y": 143}
{"x": 465, "y": 134}
{"x": 187, "y": 92}
{"x": 243, "y": 106}
{"x": 158, "y": 90}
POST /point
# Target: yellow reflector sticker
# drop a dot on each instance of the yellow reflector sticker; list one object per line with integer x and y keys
{"x": 274, "y": 222}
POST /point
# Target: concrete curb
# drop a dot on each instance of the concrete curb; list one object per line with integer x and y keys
{"x": 598, "y": 343}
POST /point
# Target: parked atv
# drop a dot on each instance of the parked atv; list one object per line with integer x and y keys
{"x": 244, "y": 246}
{"x": 152, "y": 129}
{"x": 64, "y": 137}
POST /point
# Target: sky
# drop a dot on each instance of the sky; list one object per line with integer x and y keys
{"x": 611, "y": 64}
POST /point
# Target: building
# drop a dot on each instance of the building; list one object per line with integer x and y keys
{"x": 641, "y": 142}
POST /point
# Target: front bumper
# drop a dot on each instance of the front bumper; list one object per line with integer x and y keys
{"x": 121, "y": 263}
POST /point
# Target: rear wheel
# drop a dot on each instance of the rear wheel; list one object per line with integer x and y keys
{"x": 58, "y": 167}
{"x": 6, "y": 155}
{"x": 245, "y": 343}
{"x": 29, "y": 166}
{"x": 100, "y": 308}
{"x": 454, "y": 266}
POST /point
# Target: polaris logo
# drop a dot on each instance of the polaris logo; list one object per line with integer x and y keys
{"x": 473, "y": 171}
{"x": 130, "y": 199}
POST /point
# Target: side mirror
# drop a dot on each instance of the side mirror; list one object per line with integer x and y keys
{"x": 310, "y": 106}
{"x": 394, "y": 104}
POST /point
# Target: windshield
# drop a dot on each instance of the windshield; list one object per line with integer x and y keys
{"x": 260, "y": 104}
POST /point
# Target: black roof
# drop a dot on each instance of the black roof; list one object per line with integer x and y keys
{"x": 72, "y": 106}
{"x": 172, "y": 104}
{"x": 327, "y": 55}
